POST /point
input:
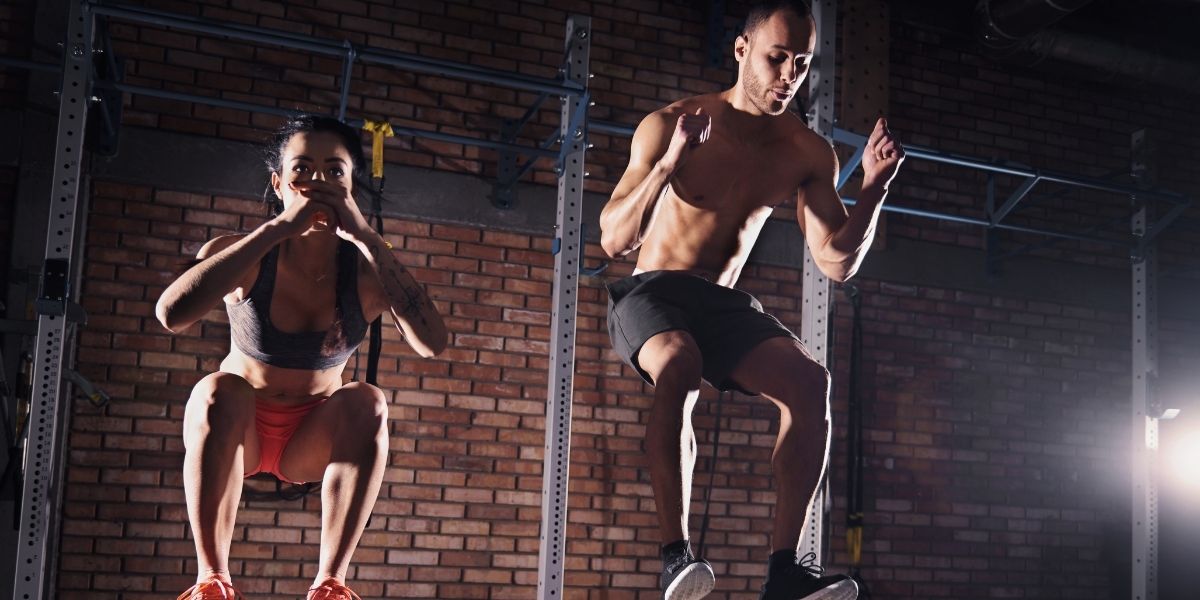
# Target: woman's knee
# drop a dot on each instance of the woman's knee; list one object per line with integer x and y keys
{"x": 362, "y": 407}
{"x": 220, "y": 399}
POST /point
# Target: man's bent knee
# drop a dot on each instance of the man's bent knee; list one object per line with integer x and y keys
{"x": 806, "y": 389}
{"x": 672, "y": 358}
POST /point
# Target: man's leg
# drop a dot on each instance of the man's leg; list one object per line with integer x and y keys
{"x": 782, "y": 371}
{"x": 672, "y": 360}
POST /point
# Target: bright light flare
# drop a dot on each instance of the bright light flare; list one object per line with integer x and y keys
{"x": 1182, "y": 457}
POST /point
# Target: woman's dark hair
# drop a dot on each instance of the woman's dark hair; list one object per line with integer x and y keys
{"x": 273, "y": 153}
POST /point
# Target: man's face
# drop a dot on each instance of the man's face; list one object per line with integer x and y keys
{"x": 773, "y": 60}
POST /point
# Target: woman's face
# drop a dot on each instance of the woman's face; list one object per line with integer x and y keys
{"x": 312, "y": 155}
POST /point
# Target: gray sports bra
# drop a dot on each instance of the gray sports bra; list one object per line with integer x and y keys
{"x": 253, "y": 333}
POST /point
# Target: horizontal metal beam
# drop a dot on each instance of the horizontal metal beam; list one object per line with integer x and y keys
{"x": 466, "y": 141}
{"x": 847, "y": 137}
{"x": 916, "y": 212}
{"x": 410, "y": 62}
{"x": 854, "y": 139}
{"x": 29, "y": 65}
{"x": 283, "y": 112}
{"x": 610, "y": 128}
{"x": 603, "y": 127}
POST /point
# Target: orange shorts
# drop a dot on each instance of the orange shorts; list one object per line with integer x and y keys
{"x": 275, "y": 423}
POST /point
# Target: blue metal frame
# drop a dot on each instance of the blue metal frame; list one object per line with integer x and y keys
{"x": 1032, "y": 178}
{"x": 409, "y": 62}
{"x": 993, "y": 221}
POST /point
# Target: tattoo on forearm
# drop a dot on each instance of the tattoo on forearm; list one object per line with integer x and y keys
{"x": 406, "y": 297}
{"x": 409, "y": 299}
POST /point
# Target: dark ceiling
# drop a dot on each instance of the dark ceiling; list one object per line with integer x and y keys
{"x": 1129, "y": 42}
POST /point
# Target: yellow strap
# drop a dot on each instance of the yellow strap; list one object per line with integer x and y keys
{"x": 379, "y": 130}
{"x": 854, "y": 544}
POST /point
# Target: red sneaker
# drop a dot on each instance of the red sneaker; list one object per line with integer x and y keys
{"x": 331, "y": 589}
{"x": 211, "y": 589}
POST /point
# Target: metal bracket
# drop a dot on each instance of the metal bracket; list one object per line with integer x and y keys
{"x": 504, "y": 194}
{"x": 107, "y": 102}
{"x": 347, "y": 74}
{"x": 595, "y": 271}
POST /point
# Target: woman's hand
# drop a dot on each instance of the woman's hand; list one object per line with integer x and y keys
{"x": 327, "y": 206}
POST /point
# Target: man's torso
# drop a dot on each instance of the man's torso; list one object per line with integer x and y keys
{"x": 713, "y": 208}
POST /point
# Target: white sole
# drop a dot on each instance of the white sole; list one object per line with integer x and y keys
{"x": 695, "y": 582}
{"x": 842, "y": 590}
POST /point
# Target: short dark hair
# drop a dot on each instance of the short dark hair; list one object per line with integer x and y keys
{"x": 761, "y": 11}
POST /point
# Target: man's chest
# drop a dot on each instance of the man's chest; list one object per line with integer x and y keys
{"x": 738, "y": 177}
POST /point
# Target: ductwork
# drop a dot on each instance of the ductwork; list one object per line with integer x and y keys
{"x": 1114, "y": 62}
{"x": 1005, "y": 24}
{"x": 1015, "y": 31}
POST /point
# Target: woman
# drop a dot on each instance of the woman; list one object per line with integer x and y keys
{"x": 300, "y": 290}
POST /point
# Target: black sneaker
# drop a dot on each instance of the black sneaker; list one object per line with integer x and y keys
{"x": 685, "y": 577}
{"x": 806, "y": 581}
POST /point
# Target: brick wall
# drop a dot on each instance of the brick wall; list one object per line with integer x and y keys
{"x": 993, "y": 425}
{"x": 945, "y": 95}
{"x": 992, "y": 428}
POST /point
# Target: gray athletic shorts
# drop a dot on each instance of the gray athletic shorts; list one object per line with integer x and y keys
{"x": 726, "y": 323}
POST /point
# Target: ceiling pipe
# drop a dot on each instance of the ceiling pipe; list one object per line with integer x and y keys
{"x": 1004, "y": 25}
{"x": 1015, "y": 31}
{"x": 1113, "y": 61}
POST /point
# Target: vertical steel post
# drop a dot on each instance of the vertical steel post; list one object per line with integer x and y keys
{"x": 814, "y": 329}
{"x": 1144, "y": 412}
{"x": 568, "y": 252}
{"x": 39, "y": 498}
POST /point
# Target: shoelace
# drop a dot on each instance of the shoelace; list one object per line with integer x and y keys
{"x": 212, "y": 589}
{"x": 810, "y": 566}
{"x": 680, "y": 561}
{"x": 330, "y": 589}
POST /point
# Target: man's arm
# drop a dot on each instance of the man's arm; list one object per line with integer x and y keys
{"x": 655, "y": 153}
{"x": 838, "y": 239}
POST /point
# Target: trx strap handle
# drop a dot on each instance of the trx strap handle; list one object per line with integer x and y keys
{"x": 379, "y": 130}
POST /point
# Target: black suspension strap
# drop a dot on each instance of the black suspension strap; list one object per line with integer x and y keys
{"x": 722, "y": 398}
{"x": 854, "y": 446}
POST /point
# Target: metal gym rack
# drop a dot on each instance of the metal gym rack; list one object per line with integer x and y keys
{"x": 49, "y": 408}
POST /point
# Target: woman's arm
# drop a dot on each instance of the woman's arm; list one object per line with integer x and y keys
{"x": 224, "y": 263}
{"x": 415, "y": 316}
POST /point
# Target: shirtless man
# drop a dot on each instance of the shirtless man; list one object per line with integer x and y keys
{"x": 704, "y": 174}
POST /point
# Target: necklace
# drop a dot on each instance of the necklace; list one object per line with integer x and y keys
{"x": 313, "y": 276}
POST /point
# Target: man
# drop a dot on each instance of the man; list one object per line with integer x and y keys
{"x": 704, "y": 175}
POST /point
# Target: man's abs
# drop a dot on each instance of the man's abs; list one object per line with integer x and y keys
{"x": 705, "y": 236}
